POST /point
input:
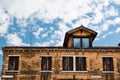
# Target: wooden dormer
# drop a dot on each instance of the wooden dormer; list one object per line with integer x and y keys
{"x": 80, "y": 37}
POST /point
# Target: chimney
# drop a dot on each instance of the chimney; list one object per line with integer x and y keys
{"x": 119, "y": 44}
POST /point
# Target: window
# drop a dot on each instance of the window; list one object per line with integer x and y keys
{"x": 81, "y": 42}
{"x": 68, "y": 63}
{"x": 108, "y": 64}
{"x": 76, "y": 42}
{"x": 85, "y": 42}
{"x": 13, "y": 62}
{"x": 80, "y": 63}
{"x": 46, "y": 64}
{"x": 74, "y": 63}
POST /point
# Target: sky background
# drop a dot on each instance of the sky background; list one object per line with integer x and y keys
{"x": 45, "y": 22}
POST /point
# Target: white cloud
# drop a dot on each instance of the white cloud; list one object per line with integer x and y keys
{"x": 117, "y": 30}
{"x": 15, "y": 40}
{"x": 62, "y": 27}
{"x": 22, "y": 8}
{"x": 82, "y": 21}
{"x": 44, "y": 35}
{"x": 98, "y": 14}
{"x": 116, "y": 20}
{"x": 112, "y": 11}
{"x": 50, "y": 10}
{"x": 58, "y": 35}
{"x": 46, "y": 43}
{"x": 4, "y": 22}
{"x": 106, "y": 25}
{"x": 1, "y": 52}
{"x": 37, "y": 31}
{"x": 107, "y": 34}
{"x": 22, "y": 22}
{"x": 66, "y": 10}
{"x": 116, "y": 1}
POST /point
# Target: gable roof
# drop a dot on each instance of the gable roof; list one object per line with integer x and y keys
{"x": 69, "y": 33}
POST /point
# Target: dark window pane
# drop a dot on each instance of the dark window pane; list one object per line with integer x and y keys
{"x": 13, "y": 63}
{"x": 46, "y": 63}
{"x": 68, "y": 63}
{"x": 108, "y": 64}
{"x": 76, "y": 42}
{"x": 80, "y": 63}
{"x": 85, "y": 42}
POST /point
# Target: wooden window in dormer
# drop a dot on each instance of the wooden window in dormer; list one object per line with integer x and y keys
{"x": 13, "y": 63}
{"x": 76, "y": 42}
{"x": 85, "y": 43}
{"x": 81, "y": 42}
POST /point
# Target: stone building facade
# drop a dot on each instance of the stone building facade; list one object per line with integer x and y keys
{"x": 77, "y": 59}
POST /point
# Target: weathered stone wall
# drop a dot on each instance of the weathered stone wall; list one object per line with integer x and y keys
{"x": 30, "y": 63}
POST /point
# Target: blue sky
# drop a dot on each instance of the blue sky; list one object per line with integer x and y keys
{"x": 50, "y": 19}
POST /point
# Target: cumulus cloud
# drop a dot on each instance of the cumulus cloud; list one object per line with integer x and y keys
{"x": 90, "y": 13}
{"x": 67, "y": 10}
{"x": 21, "y": 8}
{"x": 116, "y": 1}
{"x": 47, "y": 43}
{"x": 4, "y": 22}
{"x": 116, "y": 20}
{"x": 107, "y": 34}
{"x": 0, "y": 52}
{"x": 14, "y": 40}
{"x": 36, "y": 31}
{"x": 117, "y": 30}
{"x": 45, "y": 35}
{"x": 111, "y": 11}
{"x": 50, "y": 10}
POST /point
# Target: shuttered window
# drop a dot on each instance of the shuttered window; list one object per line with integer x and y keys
{"x": 13, "y": 63}
{"x": 108, "y": 64}
{"x": 46, "y": 63}
{"x": 73, "y": 63}
{"x": 67, "y": 63}
{"x": 80, "y": 63}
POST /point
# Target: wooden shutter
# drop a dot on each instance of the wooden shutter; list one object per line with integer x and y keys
{"x": 46, "y": 63}
{"x": 13, "y": 63}
{"x": 108, "y": 64}
{"x": 80, "y": 63}
{"x": 68, "y": 63}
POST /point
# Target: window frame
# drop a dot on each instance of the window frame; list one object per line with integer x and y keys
{"x": 68, "y": 65}
{"x": 108, "y": 71}
{"x": 81, "y": 45}
{"x": 83, "y": 65}
{"x": 74, "y": 63}
{"x": 83, "y": 41}
{"x": 13, "y": 70}
{"x": 47, "y": 70}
